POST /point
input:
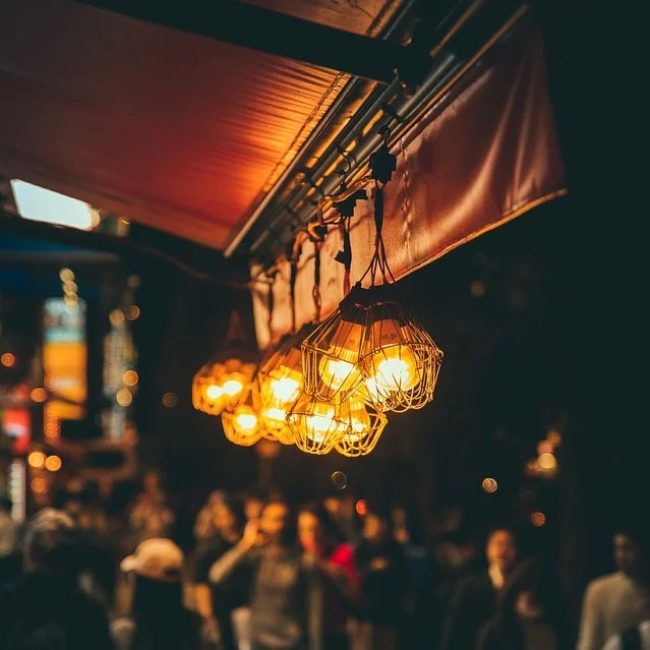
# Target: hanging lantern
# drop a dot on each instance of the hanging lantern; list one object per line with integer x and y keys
{"x": 207, "y": 393}
{"x": 365, "y": 428}
{"x": 279, "y": 380}
{"x": 223, "y": 381}
{"x": 272, "y": 417}
{"x": 317, "y": 425}
{"x": 330, "y": 354}
{"x": 399, "y": 361}
{"x": 280, "y": 373}
{"x": 241, "y": 423}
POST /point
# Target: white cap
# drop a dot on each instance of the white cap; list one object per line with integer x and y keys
{"x": 156, "y": 558}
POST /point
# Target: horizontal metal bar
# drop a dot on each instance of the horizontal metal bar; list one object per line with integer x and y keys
{"x": 299, "y": 160}
{"x": 274, "y": 33}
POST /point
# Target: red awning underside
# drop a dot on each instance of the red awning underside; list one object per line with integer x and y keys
{"x": 175, "y": 131}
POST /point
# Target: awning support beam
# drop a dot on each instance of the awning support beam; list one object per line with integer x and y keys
{"x": 276, "y": 33}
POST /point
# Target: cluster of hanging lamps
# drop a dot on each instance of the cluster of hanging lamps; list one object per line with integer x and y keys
{"x": 328, "y": 386}
{"x": 369, "y": 357}
{"x": 372, "y": 349}
{"x": 222, "y": 381}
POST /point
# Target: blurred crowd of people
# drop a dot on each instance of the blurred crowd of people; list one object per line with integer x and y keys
{"x": 262, "y": 574}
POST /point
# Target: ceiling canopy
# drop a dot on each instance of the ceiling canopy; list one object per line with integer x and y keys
{"x": 175, "y": 130}
{"x": 227, "y": 123}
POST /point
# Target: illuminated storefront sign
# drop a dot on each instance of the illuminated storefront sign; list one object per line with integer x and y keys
{"x": 64, "y": 362}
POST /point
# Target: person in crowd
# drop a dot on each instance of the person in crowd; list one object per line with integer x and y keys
{"x": 320, "y": 538}
{"x": 453, "y": 552}
{"x": 158, "y": 620}
{"x": 283, "y": 586}
{"x": 476, "y": 597}
{"x": 254, "y": 500}
{"x": 204, "y": 523}
{"x": 10, "y": 559}
{"x": 384, "y": 582}
{"x": 523, "y": 620}
{"x": 150, "y": 516}
{"x": 416, "y": 631}
{"x": 619, "y": 601}
{"x": 227, "y": 524}
{"x": 8, "y": 528}
{"x": 342, "y": 510}
{"x": 45, "y": 608}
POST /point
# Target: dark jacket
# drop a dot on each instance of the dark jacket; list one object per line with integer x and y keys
{"x": 383, "y": 590}
{"x": 473, "y": 604}
{"x": 159, "y": 621}
{"x": 43, "y": 611}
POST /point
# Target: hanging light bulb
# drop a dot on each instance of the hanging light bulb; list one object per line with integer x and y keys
{"x": 399, "y": 360}
{"x": 330, "y": 354}
{"x": 241, "y": 423}
{"x": 279, "y": 382}
{"x": 317, "y": 425}
{"x": 207, "y": 393}
{"x": 222, "y": 382}
{"x": 272, "y": 416}
{"x": 280, "y": 372}
{"x": 365, "y": 428}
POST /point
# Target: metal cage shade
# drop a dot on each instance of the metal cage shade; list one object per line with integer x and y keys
{"x": 317, "y": 425}
{"x": 207, "y": 393}
{"x": 279, "y": 382}
{"x": 241, "y": 424}
{"x": 365, "y": 428}
{"x": 222, "y": 382}
{"x": 272, "y": 416}
{"x": 399, "y": 361}
{"x": 330, "y": 356}
{"x": 280, "y": 376}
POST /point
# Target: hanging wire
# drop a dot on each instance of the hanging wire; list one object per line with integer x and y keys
{"x": 345, "y": 256}
{"x": 292, "y": 286}
{"x": 379, "y": 267}
{"x": 270, "y": 305}
{"x": 315, "y": 292}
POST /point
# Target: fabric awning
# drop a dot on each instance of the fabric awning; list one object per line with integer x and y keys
{"x": 176, "y": 131}
{"x": 484, "y": 154}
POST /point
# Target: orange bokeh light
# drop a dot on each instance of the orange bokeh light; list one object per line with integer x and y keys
{"x": 36, "y": 459}
{"x": 130, "y": 378}
{"x": 538, "y": 519}
{"x": 8, "y": 360}
{"x": 53, "y": 463}
{"x": 38, "y": 395}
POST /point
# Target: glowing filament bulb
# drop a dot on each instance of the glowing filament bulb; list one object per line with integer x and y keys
{"x": 245, "y": 420}
{"x": 336, "y": 372}
{"x": 395, "y": 369}
{"x": 214, "y": 391}
{"x": 232, "y": 387}
{"x": 274, "y": 413}
{"x": 320, "y": 423}
{"x": 285, "y": 390}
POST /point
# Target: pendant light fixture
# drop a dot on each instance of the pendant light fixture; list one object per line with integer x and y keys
{"x": 241, "y": 423}
{"x": 330, "y": 354}
{"x": 317, "y": 425}
{"x": 279, "y": 382}
{"x": 364, "y": 429}
{"x": 372, "y": 348}
{"x": 398, "y": 360}
{"x": 224, "y": 379}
